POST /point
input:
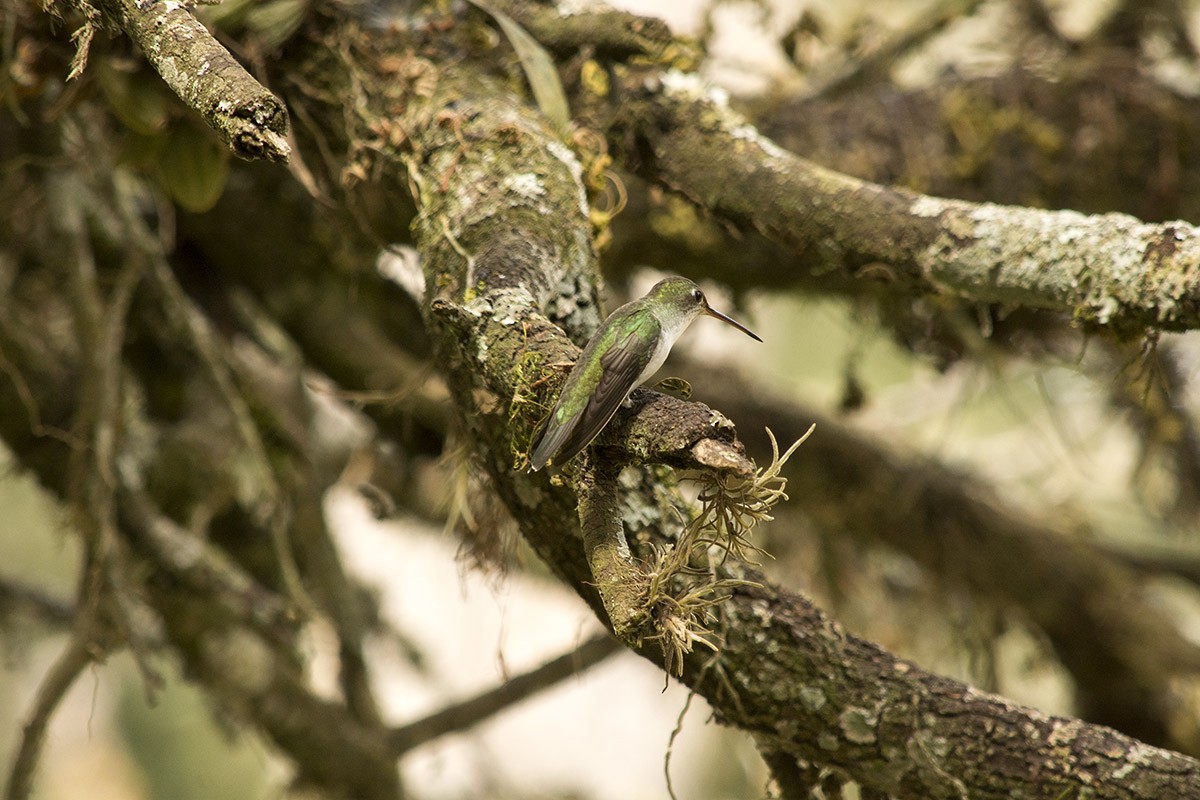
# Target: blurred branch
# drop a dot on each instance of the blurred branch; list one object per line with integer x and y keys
{"x": 215, "y": 595}
{"x": 99, "y": 322}
{"x": 202, "y": 567}
{"x": 214, "y": 613}
{"x": 1157, "y": 556}
{"x": 1151, "y": 386}
{"x": 1039, "y": 19}
{"x": 1131, "y": 21}
{"x": 467, "y": 713}
{"x": 66, "y": 668}
{"x": 860, "y": 68}
{"x": 16, "y": 598}
{"x": 1015, "y": 137}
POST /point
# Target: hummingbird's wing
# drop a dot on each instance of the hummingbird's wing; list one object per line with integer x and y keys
{"x": 621, "y": 366}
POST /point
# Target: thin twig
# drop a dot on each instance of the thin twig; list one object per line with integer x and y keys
{"x": 671, "y": 743}
{"x": 15, "y": 595}
{"x": 99, "y": 323}
{"x": 461, "y": 716}
{"x": 70, "y": 663}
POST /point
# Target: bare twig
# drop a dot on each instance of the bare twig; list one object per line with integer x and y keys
{"x": 16, "y": 596}
{"x": 467, "y": 713}
{"x": 57, "y": 681}
{"x": 671, "y": 744}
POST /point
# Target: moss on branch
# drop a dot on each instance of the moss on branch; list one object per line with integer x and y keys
{"x": 249, "y": 118}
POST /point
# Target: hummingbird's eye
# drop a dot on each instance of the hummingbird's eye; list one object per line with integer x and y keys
{"x": 698, "y": 295}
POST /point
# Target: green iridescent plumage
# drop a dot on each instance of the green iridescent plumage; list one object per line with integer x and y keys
{"x": 624, "y": 353}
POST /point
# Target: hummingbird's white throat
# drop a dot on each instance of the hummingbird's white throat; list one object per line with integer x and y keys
{"x": 671, "y": 327}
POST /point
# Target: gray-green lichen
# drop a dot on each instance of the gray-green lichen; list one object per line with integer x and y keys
{"x": 1104, "y": 268}
{"x": 812, "y": 697}
{"x": 858, "y": 725}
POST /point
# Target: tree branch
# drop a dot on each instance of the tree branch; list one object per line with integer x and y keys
{"x": 858, "y": 68}
{"x": 67, "y": 667}
{"x": 470, "y": 712}
{"x": 251, "y": 120}
{"x": 1107, "y": 271}
{"x": 16, "y": 597}
{"x": 1121, "y": 653}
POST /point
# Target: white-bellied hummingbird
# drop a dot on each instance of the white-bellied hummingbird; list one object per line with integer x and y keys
{"x": 623, "y": 354}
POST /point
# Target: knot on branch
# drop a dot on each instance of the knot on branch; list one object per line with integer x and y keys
{"x": 679, "y": 433}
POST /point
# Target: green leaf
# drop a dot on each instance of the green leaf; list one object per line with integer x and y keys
{"x": 676, "y": 386}
{"x": 193, "y": 166}
{"x": 278, "y": 20}
{"x": 539, "y": 68}
{"x": 227, "y": 15}
{"x": 139, "y": 99}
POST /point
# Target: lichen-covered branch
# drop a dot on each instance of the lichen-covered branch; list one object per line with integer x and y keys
{"x": 248, "y": 117}
{"x": 895, "y": 728}
{"x": 1106, "y": 270}
{"x": 1121, "y": 653}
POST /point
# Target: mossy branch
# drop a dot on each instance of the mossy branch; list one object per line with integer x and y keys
{"x": 248, "y": 117}
{"x": 619, "y": 581}
{"x": 671, "y": 599}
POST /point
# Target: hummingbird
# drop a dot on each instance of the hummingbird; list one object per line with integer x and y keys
{"x": 623, "y": 354}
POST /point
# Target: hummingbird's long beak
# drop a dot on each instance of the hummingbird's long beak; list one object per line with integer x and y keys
{"x": 714, "y": 313}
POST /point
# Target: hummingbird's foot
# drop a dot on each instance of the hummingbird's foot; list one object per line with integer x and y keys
{"x": 675, "y": 386}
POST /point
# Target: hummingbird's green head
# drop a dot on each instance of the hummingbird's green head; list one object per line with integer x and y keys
{"x": 683, "y": 300}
